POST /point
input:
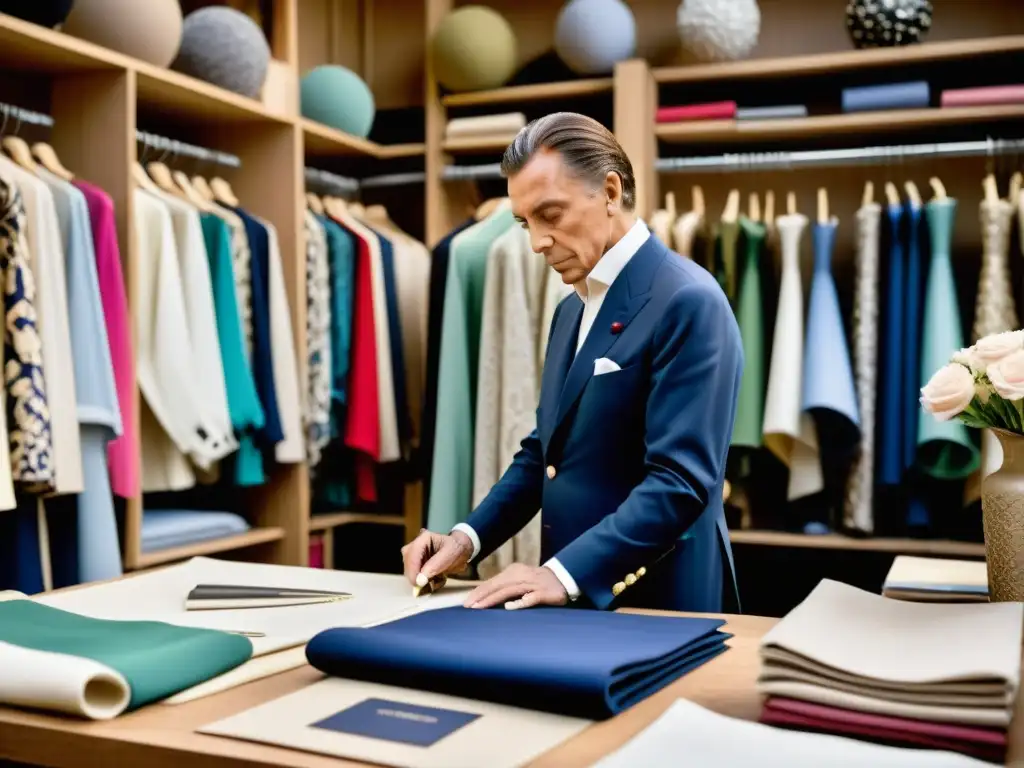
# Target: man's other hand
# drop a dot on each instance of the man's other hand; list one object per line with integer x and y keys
{"x": 519, "y": 586}
{"x": 434, "y": 554}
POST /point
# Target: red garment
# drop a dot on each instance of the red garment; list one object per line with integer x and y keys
{"x": 714, "y": 110}
{"x": 124, "y": 452}
{"x": 362, "y": 430}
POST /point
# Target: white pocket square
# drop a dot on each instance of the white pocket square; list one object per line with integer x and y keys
{"x": 604, "y": 365}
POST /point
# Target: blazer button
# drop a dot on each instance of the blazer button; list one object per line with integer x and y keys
{"x": 640, "y": 572}
{"x": 551, "y": 472}
{"x": 630, "y": 579}
{"x": 618, "y": 588}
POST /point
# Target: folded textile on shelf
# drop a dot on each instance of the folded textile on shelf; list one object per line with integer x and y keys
{"x": 587, "y": 664}
{"x": 982, "y": 97}
{"x": 713, "y": 110}
{"x": 941, "y": 663}
{"x": 932, "y": 579}
{"x": 96, "y": 668}
{"x": 708, "y": 738}
{"x": 870, "y": 98}
{"x": 506, "y": 124}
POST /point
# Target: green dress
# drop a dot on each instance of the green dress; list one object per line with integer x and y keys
{"x": 945, "y": 450}
{"x": 747, "y": 430}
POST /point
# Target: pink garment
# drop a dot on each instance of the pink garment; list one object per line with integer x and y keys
{"x": 983, "y": 97}
{"x": 123, "y": 454}
{"x": 714, "y": 110}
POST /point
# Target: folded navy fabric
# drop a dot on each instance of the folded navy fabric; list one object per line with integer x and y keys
{"x": 581, "y": 663}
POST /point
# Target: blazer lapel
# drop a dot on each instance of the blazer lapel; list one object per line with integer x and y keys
{"x": 626, "y": 296}
{"x": 556, "y": 364}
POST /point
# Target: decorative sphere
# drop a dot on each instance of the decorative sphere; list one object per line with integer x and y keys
{"x": 151, "y": 35}
{"x": 885, "y": 23}
{"x": 338, "y": 97}
{"x": 474, "y": 48}
{"x": 225, "y": 47}
{"x": 719, "y": 30}
{"x": 592, "y": 35}
{"x": 46, "y": 13}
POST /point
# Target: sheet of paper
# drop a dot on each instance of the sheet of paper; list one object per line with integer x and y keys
{"x": 160, "y": 596}
{"x": 687, "y": 734}
{"x": 399, "y": 727}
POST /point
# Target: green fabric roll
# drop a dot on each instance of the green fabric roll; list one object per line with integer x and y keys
{"x": 157, "y": 659}
{"x": 747, "y": 430}
{"x": 945, "y": 450}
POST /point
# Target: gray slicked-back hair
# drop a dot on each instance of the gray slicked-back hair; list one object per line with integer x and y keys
{"x": 588, "y": 149}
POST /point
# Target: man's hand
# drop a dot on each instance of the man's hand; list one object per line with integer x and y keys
{"x": 519, "y": 586}
{"x": 434, "y": 554}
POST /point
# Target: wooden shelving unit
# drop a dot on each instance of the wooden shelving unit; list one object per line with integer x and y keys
{"x": 474, "y": 145}
{"x": 524, "y": 94}
{"x": 246, "y": 540}
{"x": 926, "y": 547}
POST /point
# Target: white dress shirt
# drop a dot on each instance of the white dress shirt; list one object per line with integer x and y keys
{"x": 592, "y": 291}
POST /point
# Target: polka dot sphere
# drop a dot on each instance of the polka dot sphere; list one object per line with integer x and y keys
{"x": 884, "y": 23}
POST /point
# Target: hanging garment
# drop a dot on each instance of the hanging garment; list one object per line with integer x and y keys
{"x": 748, "y": 427}
{"x": 944, "y": 448}
{"x": 994, "y": 309}
{"x": 828, "y": 388}
{"x": 891, "y": 393}
{"x": 291, "y": 449}
{"x": 244, "y": 404}
{"x": 508, "y": 384}
{"x": 451, "y": 487}
{"x": 47, "y": 255}
{"x": 912, "y": 307}
{"x": 684, "y": 232}
{"x": 789, "y": 432}
{"x": 194, "y": 269}
{"x": 241, "y": 265}
{"x": 858, "y": 510}
{"x": 26, "y": 450}
{"x": 317, "y": 417}
{"x": 728, "y": 240}
{"x": 99, "y": 415}
{"x": 124, "y": 451}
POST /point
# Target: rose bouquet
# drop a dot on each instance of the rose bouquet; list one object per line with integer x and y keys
{"x": 982, "y": 385}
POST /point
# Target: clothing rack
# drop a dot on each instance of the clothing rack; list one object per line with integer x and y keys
{"x": 347, "y": 184}
{"x": 175, "y": 147}
{"x": 23, "y": 115}
{"x": 343, "y": 184}
{"x": 836, "y": 157}
{"x": 471, "y": 172}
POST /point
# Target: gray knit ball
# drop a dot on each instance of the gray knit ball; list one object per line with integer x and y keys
{"x": 225, "y": 47}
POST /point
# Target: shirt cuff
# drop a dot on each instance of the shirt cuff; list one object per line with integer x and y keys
{"x": 468, "y": 530}
{"x": 563, "y": 576}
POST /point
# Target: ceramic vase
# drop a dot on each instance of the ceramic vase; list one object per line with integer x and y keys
{"x": 718, "y": 30}
{"x": 887, "y": 23}
{"x": 1002, "y": 503}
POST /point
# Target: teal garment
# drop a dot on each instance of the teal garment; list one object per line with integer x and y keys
{"x": 451, "y": 484}
{"x": 747, "y": 430}
{"x": 945, "y": 450}
{"x": 243, "y": 400}
{"x": 158, "y": 660}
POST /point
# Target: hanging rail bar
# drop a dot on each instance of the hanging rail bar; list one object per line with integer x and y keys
{"x": 759, "y": 161}
{"x": 333, "y": 180}
{"x": 471, "y": 172}
{"x": 190, "y": 150}
{"x": 393, "y": 179}
{"x": 25, "y": 115}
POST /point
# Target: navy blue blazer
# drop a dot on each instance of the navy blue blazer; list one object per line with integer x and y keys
{"x": 628, "y": 466}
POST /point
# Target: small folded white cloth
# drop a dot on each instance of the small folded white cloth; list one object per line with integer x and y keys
{"x": 604, "y": 365}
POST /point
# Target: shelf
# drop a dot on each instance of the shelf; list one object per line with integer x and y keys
{"x": 830, "y": 63}
{"x": 478, "y": 145}
{"x": 522, "y": 94}
{"x": 335, "y": 519}
{"x": 323, "y": 141}
{"x": 850, "y": 544}
{"x": 831, "y": 125}
{"x": 173, "y": 94}
{"x": 29, "y": 47}
{"x": 212, "y": 547}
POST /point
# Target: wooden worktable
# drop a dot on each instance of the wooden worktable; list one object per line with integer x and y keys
{"x": 162, "y": 736}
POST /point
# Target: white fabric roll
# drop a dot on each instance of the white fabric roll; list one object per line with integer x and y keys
{"x": 57, "y": 682}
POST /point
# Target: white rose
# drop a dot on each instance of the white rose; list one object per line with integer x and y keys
{"x": 965, "y": 357}
{"x": 1007, "y": 376}
{"x": 950, "y": 390}
{"x": 994, "y": 348}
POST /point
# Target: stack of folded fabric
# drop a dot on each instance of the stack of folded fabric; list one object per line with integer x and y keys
{"x": 503, "y": 126}
{"x": 727, "y": 110}
{"x": 937, "y": 580}
{"x": 941, "y": 676}
{"x": 586, "y": 664}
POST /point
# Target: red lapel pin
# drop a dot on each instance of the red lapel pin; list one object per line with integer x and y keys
{"x": 617, "y": 327}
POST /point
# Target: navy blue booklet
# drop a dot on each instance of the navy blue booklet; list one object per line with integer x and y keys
{"x": 580, "y": 663}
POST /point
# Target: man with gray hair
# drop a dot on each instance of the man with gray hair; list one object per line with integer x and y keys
{"x": 637, "y": 403}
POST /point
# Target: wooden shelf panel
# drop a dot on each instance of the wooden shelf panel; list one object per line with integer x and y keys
{"x": 388, "y": 151}
{"x": 334, "y": 519}
{"x": 31, "y": 48}
{"x": 173, "y": 94}
{"x": 524, "y": 94}
{"x": 214, "y": 546}
{"x": 831, "y": 125}
{"x": 478, "y": 145}
{"x": 826, "y": 63}
{"x": 848, "y": 543}
{"x": 324, "y": 141}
